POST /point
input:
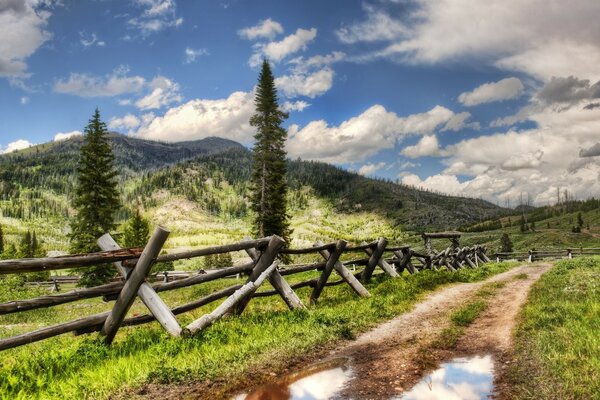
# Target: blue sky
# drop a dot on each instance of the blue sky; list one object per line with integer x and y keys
{"x": 487, "y": 99}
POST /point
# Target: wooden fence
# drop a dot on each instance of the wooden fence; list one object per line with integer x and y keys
{"x": 547, "y": 254}
{"x": 134, "y": 265}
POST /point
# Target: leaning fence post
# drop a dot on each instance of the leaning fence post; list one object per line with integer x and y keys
{"x": 133, "y": 283}
{"x": 530, "y": 258}
{"x": 149, "y": 297}
{"x": 331, "y": 261}
{"x": 279, "y": 283}
{"x": 346, "y": 274}
{"x": 266, "y": 259}
{"x": 374, "y": 260}
{"x": 391, "y": 271}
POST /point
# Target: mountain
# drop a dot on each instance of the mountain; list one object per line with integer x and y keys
{"x": 213, "y": 174}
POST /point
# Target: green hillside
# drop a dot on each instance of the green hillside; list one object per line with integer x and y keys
{"x": 199, "y": 189}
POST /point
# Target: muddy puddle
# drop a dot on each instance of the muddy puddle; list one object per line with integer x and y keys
{"x": 318, "y": 382}
{"x": 461, "y": 378}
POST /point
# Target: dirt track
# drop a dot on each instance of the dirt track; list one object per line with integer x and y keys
{"x": 391, "y": 358}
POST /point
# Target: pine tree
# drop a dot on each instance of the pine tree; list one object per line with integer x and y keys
{"x": 1, "y": 240}
{"x": 506, "y": 245}
{"x": 137, "y": 231}
{"x": 579, "y": 220}
{"x": 25, "y": 250}
{"x": 96, "y": 198}
{"x": 269, "y": 185}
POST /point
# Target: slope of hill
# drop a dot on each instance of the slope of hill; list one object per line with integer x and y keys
{"x": 208, "y": 179}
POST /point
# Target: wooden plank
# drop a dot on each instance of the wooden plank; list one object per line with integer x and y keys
{"x": 331, "y": 261}
{"x": 155, "y": 304}
{"x": 374, "y": 259}
{"x": 391, "y": 271}
{"x": 309, "y": 250}
{"x": 133, "y": 283}
{"x": 280, "y": 284}
{"x": 266, "y": 259}
{"x": 346, "y": 275}
{"x": 230, "y": 303}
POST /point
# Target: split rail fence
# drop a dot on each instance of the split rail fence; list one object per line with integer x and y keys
{"x": 134, "y": 266}
{"x": 547, "y": 254}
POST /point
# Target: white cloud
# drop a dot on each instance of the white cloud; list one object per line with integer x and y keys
{"x": 428, "y": 145}
{"x": 128, "y": 121}
{"x": 163, "y": 92}
{"x": 265, "y": 29}
{"x": 24, "y": 100}
{"x": 527, "y": 36}
{"x": 309, "y": 85}
{"x": 200, "y": 118}
{"x": 299, "y": 105}
{"x": 459, "y": 121}
{"x": 439, "y": 183}
{"x": 23, "y": 32}
{"x": 87, "y": 85}
{"x": 90, "y": 40}
{"x": 362, "y": 136}
{"x": 16, "y": 145}
{"x": 66, "y": 135}
{"x": 277, "y": 51}
{"x": 370, "y": 168}
{"x": 504, "y": 89}
{"x": 523, "y": 161}
{"x": 192, "y": 54}
{"x": 303, "y": 65}
{"x": 378, "y": 26}
{"x": 156, "y": 16}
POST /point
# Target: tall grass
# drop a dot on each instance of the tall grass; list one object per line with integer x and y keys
{"x": 266, "y": 334}
{"x": 558, "y": 338}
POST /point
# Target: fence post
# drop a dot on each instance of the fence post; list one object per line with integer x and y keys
{"x": 346, "y": 274}
{"x": 374, "y": 260}
{"x": 266, "y": 259}
{"x": 391, "y": 271}
{"x": 331, "y": 261}
{"x": 569, "y": 254}
{"x": 149, "y": 297}
{"x": 530, "y": 258}
{"x": 133, "y": 283}
{"x": 279, "y": 283}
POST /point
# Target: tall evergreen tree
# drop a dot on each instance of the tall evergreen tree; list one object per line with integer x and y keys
{"x": 506, "y": 245}
{"x": 25, "y": 249}
{"x": 269, "y": 184}
{"x": 96, "y": 198}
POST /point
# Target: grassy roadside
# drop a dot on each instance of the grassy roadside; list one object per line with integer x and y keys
{"x": 558, "y": 338}
{"x": 267, "y": 334}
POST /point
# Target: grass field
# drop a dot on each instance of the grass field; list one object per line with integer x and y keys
{"x": 558, "y": 338}
{"x": 266, "y": 334}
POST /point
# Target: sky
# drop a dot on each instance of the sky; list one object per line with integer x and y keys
{"x": 497, "y": 100}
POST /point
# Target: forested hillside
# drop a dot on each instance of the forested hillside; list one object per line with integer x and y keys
{"x": 211, "y": 176}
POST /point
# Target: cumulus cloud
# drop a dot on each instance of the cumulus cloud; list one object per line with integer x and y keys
{"x": 192, "y": 54}
{"x": 459, "y": 121}
{"x": 378, "y": 26}
{"x": 428, "y": 145}
{"x": 202, "y": 118}
{"x": 266, "y": 29}
{"x": 425, "y": 34}
{"x": 66, "y": 135}
{"x": 156, "y": 15}
{"x": 90, "y": 40}
{"x": 299, "y": 105}
{"x": 128, "y": 121}
{"x": 309, "y": 85}
{"x": 302, "y": 65}
{"x": 593, "y": 151}
{"x": 361, "y": 136}
{"x": 568, "y": 90}
{"x": 88, "y": 85}
{"x": 16, "y": 145}
{"x": 504, "y": 89}
{"x": 277, "y": 51}
{"x": 163, "y": 92}
{"x": 523, "y": 161}
{"x": 370, "y": 168}
{"x": 440, "y": 183}
{"x": 23, "y": 32}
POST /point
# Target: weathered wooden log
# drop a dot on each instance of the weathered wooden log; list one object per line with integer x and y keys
{"x": 239, "y": 295}
{"x": 309, "y": 250}
{"x": 155, "y": 304}
{"x": 361, "y": 248}
{"x": 374, "y": 259}
{"x": 133, "y": 283}
{"x": 333, "y": 258}
{"x": 266, "y": 259}
{"x": 404, "y": 256}
{"x": 383, "y": 264}
{"x": 347, "y": 275}
{"x": 281, "y": 286}
{"x": 302, "y": 268}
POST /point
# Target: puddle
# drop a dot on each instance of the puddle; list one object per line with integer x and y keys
{"x": 318, "y": 382}
{"x": 462, "y": 378}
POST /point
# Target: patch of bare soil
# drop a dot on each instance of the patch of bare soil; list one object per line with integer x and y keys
{"x": 391, "y": 358}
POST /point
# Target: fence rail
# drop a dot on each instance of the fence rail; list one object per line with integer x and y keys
{"x": 545, "y": 254}
{"x": 264, "y": 265}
